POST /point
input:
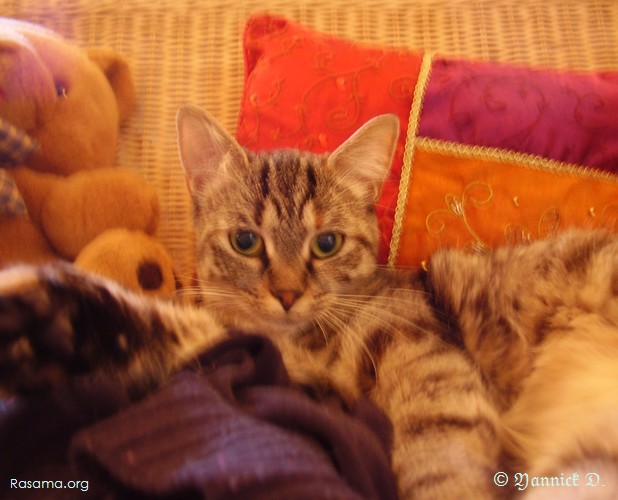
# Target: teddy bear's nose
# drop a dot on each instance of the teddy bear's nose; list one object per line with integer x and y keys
{"x": 149, "y": 275}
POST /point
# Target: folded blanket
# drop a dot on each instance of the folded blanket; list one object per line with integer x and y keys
{"x": 234, "y": 428}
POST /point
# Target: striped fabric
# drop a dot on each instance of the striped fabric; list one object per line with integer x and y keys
{"x": 15, "y": 147}
{"x": 11, "y": 202}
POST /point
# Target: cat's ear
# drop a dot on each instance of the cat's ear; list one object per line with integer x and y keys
{"x": 206, "y": 149}
{"x": 363, "y": 161}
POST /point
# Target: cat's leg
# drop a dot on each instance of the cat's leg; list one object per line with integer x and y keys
{"x": 446, "y": 431}
{"x": 564, "y": 426}
{"x": 56, "y": 322}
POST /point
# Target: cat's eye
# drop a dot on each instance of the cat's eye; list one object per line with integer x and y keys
{"x": 326, "y": 245}
{"x": 247, "y": 243}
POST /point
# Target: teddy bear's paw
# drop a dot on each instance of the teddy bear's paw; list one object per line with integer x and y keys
{"x": 56, "y": 322}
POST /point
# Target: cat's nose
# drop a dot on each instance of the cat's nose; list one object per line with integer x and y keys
{"x": 287, "y": 297}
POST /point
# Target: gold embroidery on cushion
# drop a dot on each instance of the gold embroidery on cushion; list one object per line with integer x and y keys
{"x": 408, "y": 154}
{"x": 256, "y": 105}
{"x": 475, "y": 195}
{"x": 346, "y": 114}
{"x": 548, "y": 224}
{"x": 549, "y": 221}
{"x": 511, "y": 157}
{"x": 516, "y": 234}
{"x": 401, "y": 89}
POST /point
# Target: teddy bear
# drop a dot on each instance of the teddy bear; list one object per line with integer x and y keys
{"x": 60, "y": 194}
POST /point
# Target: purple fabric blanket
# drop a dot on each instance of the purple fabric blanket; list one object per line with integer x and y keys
{"x": 233, "y": 427}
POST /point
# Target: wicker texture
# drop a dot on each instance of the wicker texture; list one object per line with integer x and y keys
{"x": 190, "y": 51}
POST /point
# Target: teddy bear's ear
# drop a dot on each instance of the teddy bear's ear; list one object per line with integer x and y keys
{"x": 117, "y": 71}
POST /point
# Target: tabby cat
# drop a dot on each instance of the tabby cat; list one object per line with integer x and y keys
{"x": 511, "y": 354}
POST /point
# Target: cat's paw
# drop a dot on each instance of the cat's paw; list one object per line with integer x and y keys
{"x": 35, "y": 339}
{"x": 54, "y": 322}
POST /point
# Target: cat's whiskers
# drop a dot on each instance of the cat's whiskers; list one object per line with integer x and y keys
{"x": 402, "y": 299}
{"x": 344, "y": 310}
{"x": 342, "y": 327}
{"x": 333, "y": 324}
{"x": 203, "y": 292}
{"x": 380, "y": 311}
{"x": 218, "y": 300}
{"x": 322, "y": 328}
{"x": 367, "y": 305}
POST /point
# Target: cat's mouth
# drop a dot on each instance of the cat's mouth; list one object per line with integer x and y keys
{"x": 285, "y": 323}
{"x": 260, "y": 319}
{"x": 267, "y": 313}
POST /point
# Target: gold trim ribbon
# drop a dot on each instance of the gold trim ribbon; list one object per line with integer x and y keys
{"x": 408, "y": 154}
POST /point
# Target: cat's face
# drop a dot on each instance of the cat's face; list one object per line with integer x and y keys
{"x": 283, "y": 237}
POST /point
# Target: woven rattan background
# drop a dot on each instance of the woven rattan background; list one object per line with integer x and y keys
{"x": 190, "y": 51}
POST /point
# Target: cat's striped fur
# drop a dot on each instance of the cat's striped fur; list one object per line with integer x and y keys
{"x": 477, "y": 358}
